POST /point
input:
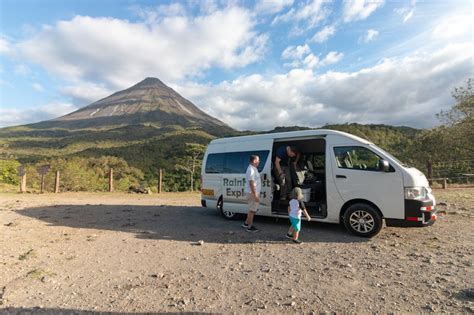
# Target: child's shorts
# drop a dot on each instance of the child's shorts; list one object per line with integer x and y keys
{"x": 296, "y": 223}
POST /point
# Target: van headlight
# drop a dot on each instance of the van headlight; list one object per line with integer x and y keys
{"x": 416, "y": 193}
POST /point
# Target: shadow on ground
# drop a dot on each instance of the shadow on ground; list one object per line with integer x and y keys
{"x": 182, "y": 224}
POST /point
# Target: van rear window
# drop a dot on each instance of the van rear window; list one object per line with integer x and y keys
{"x": 215, "y": 163}
{"x": 233, "y": 162}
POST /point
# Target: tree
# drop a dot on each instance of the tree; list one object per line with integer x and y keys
{"x": 459, "y": 121}
{"x": 191, "y": 161}
{"x": 453, "y": 141}
{"x": 463, "y": 110}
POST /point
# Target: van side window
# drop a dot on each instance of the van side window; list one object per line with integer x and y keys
{"x": 215, "y": 163}
{"x": 237, "y": 162}
{"x": 357, "y": 158}
{"x": 233, "y": 162}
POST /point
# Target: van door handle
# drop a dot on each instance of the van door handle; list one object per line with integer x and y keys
{"x": 341, "y": 176}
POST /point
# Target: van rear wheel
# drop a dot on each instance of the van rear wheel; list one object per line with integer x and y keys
{"x": 229, "y": 215}
{"x": 363, "y": 220}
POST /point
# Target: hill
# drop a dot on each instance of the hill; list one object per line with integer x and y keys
{"x": 148, "y": 124}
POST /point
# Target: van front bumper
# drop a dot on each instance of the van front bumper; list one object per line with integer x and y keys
{"x": 418, "y": 213}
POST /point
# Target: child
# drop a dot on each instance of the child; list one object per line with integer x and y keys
{"x": 295, "y": 208}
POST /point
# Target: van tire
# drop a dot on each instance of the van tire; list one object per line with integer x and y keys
{"x": 229, "y": 215}
{"x": 363, "y": 220}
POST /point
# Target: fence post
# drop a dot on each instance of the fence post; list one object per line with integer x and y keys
{"x": 111, "y": 180}
{"x": 23, "y": 183}
{"x": 42, "y": 183}
{"x": 22, "y": 173}
{"x": 430, "y": 172}
{"x": 56, "y": 183}
{"x": 445, "y": 183}
{"x": 160, "y": 180}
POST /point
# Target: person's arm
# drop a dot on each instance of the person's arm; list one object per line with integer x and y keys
{"x": 306, "y": 214}
{"x": 303, "y": 208}
{"x": 298, "y": 155}
{"x": 289, "y": 209}
{"x": 277, "y": 165}
{"x": 253, "y": 187}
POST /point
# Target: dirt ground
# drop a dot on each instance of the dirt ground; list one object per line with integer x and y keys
{"x": 76, "y": 252}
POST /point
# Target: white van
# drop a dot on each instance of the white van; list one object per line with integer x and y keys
{"x": 345, "y": 179}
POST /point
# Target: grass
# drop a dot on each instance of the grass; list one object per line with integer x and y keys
{"x": 9, "y": 188}
{"x": 36, "y": 273}
{"x": 28, "y": 254}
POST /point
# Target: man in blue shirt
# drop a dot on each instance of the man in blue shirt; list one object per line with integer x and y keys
{"x": 282, "y": 158}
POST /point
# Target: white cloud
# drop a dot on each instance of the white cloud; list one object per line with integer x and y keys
{"x": 407, "y": 11}
{"x": 37, "y": 87}
{"x": 22, "y": 70}
{"x": 295, "y": 52}
{"x": 331, "y": 58}
{"x": 324, "y": 34}
{"x": 153, "y": 15}
{"x": 301, "y": 56}
{"x": 272, "y": 6}
{"x": 5, "y": 46}
{"x": 369, "y": 36}
{"x": 120, "y": 53}
{"x": 84, "y": 93}
{"x": 355, "y": 10}
{"x": 407, "y": 91}
{"x": 311, "y": 61}
{"x": 15, "y": 116}
{"x": 453, "y": 27}
{"x": 310, "y": 12}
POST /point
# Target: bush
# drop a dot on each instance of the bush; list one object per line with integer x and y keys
{"x": 85, "y": 174}
{"x": 8, "y": 172}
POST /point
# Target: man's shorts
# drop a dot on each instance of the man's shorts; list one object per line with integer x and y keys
{"x": 253, "y": 204}
{"x": 295, "y": 223}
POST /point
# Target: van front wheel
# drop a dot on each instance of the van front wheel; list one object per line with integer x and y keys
{"x": 225, "y": 213}
{"x": 362, "y": 220}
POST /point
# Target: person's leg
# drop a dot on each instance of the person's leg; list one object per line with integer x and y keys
{"x": 284, "y": 186}
{"x": 250, "y": 206}
{"x": 295, "y": 235}
{"x": 290, "y": 231}
{"x": 249, "y": 220}
{"x": 296, "y": 225}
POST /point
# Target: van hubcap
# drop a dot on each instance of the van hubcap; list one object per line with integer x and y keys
{"x": 362, "y": 221}
{"x": 228, "y": 214}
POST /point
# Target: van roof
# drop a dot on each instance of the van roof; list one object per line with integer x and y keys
{"x": 291, "y": 134}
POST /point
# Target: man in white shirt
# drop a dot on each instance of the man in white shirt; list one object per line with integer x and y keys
{"x": 253, "y": 186}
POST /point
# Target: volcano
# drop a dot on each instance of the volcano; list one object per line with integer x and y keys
{"x": 149, "y": 102}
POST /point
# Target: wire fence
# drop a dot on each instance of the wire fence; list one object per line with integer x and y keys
{"x": 452, "y": 172}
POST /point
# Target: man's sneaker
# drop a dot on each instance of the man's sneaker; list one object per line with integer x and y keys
{"x": 289, "y": 236}
{"x": 252, "y": 229}
{"x": 245, "y": 225}
{"x": 297, "y": 242}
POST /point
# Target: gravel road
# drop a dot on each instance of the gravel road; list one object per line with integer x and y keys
{"x": 76, "y": 252}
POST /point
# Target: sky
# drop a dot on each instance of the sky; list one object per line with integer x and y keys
{"x": 253, "y": 64}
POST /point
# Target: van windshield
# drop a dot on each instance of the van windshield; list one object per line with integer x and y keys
{"x": 390, "y": 156}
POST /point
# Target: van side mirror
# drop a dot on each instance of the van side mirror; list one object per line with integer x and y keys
{"x": 384, "y": 166}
